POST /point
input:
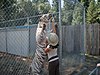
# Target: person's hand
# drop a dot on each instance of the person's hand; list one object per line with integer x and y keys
{"x": 47, "y": 50}
{"x": 98, "y": 65}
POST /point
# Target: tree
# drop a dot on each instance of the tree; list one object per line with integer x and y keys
{"x": 55, "y": 7}
{"x": 91, "y": 12}
{"x": 77, "y": 15}
{"x": 41, "y": 1}
{"x": 16, "y": 9}
{"x": 43, "y": 7}
{"x": 67, "y": 12}
{"x": 98, "y": 0}
{"x": 98, "y": 12}
{"x": 8, "y": 7}
{"x": 85, "y": 3}
{"x": 8, "y": 11}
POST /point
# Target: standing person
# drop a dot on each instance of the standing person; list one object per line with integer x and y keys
{"x": 40, "y": 55}
{"x": 51, "y": 51}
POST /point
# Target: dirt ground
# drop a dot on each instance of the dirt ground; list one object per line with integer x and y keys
{"x": 85, "y": 69}
{"x": 13, "y": 64}
{"x": 79, "y": 68}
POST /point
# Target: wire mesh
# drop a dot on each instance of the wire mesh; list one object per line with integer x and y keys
{"x": 18, "y": 22}
{"x": 72, "y": 38}
{"x": 72, "y": 13}
{"x": 73, "y": 49}
{"x": 12, "y": 64}
{"x": 95, "y": 71}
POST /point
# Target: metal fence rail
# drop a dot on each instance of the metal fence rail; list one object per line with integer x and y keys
{"x": 95, "y": 71}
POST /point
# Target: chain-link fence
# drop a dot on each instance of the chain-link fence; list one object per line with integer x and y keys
{"x": 95, "y": 71}
{"x": 73, "y": 39}
{"x": 18, "y": 22}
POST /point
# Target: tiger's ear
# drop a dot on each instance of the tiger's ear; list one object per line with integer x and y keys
{"x": 49, "y": 16}
{"x": 40, "y": 19}
{"x": 43, "y": 17}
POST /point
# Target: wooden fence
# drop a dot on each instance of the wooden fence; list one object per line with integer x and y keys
{"x": 73, "y": 39}
{"x": 93, "y": 39}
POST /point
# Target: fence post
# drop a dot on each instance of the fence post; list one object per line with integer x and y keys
{"x": 98, "y": 39}
{"x": 84, "y": 35}
{"x": 60, "y": 40}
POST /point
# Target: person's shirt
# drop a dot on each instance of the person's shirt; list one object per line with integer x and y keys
{"x": 52, "y": 54}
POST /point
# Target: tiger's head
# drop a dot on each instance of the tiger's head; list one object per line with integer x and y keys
{"x": 44, "y": 20}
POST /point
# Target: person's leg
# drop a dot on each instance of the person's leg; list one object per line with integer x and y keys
{"x": 57, "y": 67}
{"x": 51, "y": 68}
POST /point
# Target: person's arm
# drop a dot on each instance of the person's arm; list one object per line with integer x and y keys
{"x": 47, "y": 49}
{"x": 53, "y": 26}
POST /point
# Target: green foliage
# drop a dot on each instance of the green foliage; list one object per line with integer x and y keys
{"x": 7, "y": 9}
{"x": 92, "y": 12}
{"x": 16, "y": 9}
{"x": 72, "y": 12}
{"x": 77, "y": 15}
{"x": 67, "y": 17}
{"x": 34, "y": 8}
{"x": 44, "y": 8}
{"x": 54, "y": 6}
{"x": 85, "y": 3}
{"x": 98, "y": 12}
{"x": 98, "y": 0}
{"x": 55, "y": 9}
{"x": 40, "y": 1}
{"x": 67, "y": 12}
